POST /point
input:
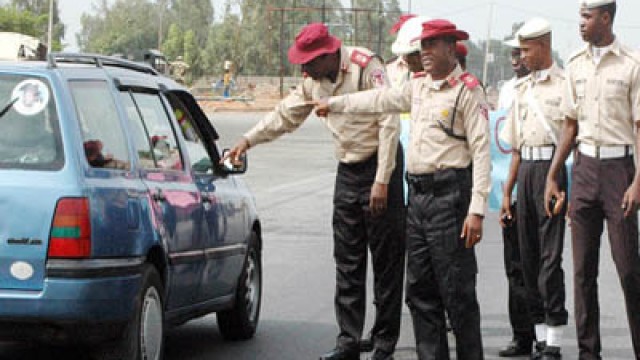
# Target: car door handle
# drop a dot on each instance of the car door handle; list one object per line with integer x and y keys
{"x": 158, "y": 196}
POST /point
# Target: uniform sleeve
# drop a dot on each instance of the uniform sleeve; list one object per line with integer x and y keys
{"x": 388, "y": 124}
{"x": 570, "y": 102}
{"x": 635, "y": 95}
{"x": 381, "y": 100}
{"x": 287, "y": 116}
{"x": 476, "y": 125}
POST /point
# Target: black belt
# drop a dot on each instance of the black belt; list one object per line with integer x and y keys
{"x": 439, "y": 180}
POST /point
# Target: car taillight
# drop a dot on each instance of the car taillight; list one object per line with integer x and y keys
{"x": 71, "y": 230}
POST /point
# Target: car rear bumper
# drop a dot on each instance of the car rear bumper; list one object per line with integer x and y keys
{"x": 77, "y": 296}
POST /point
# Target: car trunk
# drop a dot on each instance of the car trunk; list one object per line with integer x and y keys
{"x": 27, "y": 205}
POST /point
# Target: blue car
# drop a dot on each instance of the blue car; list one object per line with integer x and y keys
{"x": 117, "y": 219}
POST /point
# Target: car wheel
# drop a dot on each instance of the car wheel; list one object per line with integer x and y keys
{"x": 143, "y": 337}
{"x": 240, "y": 322}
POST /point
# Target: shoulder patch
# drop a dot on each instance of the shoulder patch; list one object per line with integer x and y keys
{"x": 419, "y": 74}
{"x": 361, "y": 59}
{"x": 469, "y": 80}
{"x": 379, "y": 78}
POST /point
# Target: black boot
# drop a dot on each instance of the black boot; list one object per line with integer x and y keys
{"x": 551, "y": 353}
{"x": 516, "y": 347}
{"x": 341, "y": 354}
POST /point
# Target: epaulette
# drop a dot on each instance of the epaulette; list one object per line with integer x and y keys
{"x": 469, "y": 80}
{"x": 419, "y": 74}
{"x": 360, "y": 58}
{"x": 576, "y": 54}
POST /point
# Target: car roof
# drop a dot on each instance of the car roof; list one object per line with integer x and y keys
{"x": 71, "y": 65}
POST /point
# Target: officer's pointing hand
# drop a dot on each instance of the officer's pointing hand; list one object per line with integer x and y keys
{"x": 322, "y": 107}
{"x": 472, "y": 230}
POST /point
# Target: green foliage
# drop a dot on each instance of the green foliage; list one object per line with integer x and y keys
{"x": 31, "y": 17}
{"x": 173, "y": 46}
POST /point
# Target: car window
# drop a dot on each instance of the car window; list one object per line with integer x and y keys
{"x": 198, "y": 156}
{"x": 102, "y": 134}
{"x": 30, "y": 135}
{"x": 153, "y": 135}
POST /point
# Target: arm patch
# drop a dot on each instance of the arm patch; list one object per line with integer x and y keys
{"x": 360, "y": 58}
{"x": 469, "y": 80}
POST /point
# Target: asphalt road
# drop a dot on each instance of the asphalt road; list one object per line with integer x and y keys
{"x": 292, "y": 180}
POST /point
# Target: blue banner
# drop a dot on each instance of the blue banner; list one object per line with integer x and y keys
{"x": 501, "y": 159}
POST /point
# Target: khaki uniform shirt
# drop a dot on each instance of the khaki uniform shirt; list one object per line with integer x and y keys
{"x": 356, "y": 137}
{"x": 604, "y": 98}
{"x": 430, "y": 148}
{"x": 523, "y": 126}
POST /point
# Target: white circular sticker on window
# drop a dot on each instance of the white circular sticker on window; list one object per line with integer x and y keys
{"x": 31, "y": 97}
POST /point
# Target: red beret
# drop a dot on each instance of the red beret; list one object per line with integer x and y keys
{"x": 461, "y": 49}
{"x": 403, "y": 19}
{"x": 441, "y": 28}
{"x": 312, "y": 41}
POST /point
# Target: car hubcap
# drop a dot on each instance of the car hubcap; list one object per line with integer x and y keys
{"x": 252, "y": 297}
{"x": 151, "y": 326}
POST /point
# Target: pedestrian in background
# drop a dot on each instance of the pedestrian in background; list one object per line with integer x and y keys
{"x": 368, "y": 205}
{"x": 602, "y": 117}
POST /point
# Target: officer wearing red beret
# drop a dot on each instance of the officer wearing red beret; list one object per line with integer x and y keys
{"x": 447, "y": 201}
{"x": 368, "y": 201}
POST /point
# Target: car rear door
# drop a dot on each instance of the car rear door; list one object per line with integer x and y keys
{"x": 225, "y": 205}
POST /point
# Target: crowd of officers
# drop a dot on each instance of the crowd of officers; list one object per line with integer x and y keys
{"x": 590, "y": 109}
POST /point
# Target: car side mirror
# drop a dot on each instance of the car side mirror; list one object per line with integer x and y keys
{"x": 233, "y": 167}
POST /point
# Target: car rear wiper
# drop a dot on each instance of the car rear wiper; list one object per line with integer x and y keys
{"x": 8, "y": 106}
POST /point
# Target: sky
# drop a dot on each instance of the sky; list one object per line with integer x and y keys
{"x": 477, "y": 17}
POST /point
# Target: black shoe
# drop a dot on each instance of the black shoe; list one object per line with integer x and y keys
{"x": 551, "y": 353}
{"x": 366, "y": 344}
{"x": 539, "y": 349}
{"x": 516, "y": 348}
{"x": 341, "y": 354}
{"x": 381, "y": 355}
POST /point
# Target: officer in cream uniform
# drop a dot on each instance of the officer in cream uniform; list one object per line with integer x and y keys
{"x": 532, "y": 129}
{"x": 447, "y": 200}
{"x": 603, "y": 117}
{"x": 368, "y": 208}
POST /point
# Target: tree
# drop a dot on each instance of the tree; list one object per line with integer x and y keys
{"x": 173, "y": 46}
{"x": 104, "y": 32}
{"x": 31, "y": 17}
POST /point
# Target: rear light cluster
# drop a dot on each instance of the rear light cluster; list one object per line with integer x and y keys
{"x": 71, "y": 230}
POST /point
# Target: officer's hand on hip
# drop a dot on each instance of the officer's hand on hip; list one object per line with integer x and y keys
{"x": 505, "y": 212}
{"x": 378, "y": 198}
{"x": 236, "y": 152}
{"x": 472, "y": 230}
{"x": 631, "y": 199}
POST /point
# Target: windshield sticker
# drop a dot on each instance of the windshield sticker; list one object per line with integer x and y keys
{"x": 31, "y": 96}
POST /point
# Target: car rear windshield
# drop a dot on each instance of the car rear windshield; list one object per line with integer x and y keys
{"x": 29, "y": 131}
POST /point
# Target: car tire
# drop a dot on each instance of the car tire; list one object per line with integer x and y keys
{"x": 241, "y": 321}
{"x": 143, "y": 336}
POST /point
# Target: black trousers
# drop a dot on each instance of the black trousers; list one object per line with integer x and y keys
{"x": 596, "y": 196}
{"x": 355, "y": 229}
{"x": 441, "y": 272}
{"x": 541, "y": 240}
{"x": 519, "y": 318}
